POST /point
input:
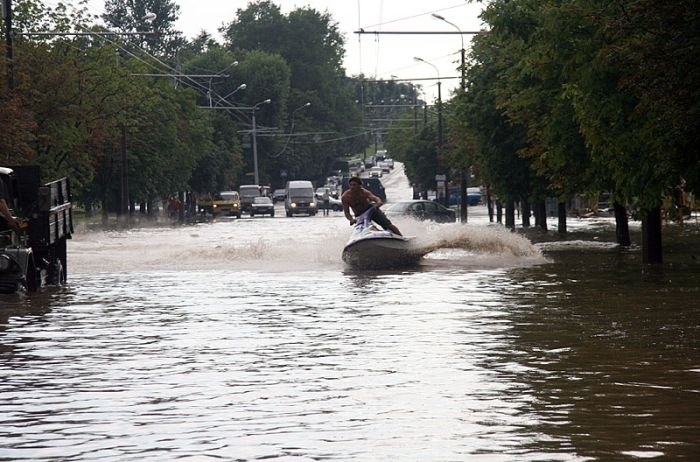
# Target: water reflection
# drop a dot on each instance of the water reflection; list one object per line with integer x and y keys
{"x": 612, "y": 354}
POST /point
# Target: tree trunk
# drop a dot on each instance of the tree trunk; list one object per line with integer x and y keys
{"x": 561, "y": 212}
{"x": 489, "y": 203}
{"x": 463, "y": 197}
{"x": 510, "y": 215}
{"x": 525, "y": 211}
{"x": 541, "y": 214}
{"x": 499, "y": 212}
{"x": 652, "y": 251}
{"x": 622, "y": 229}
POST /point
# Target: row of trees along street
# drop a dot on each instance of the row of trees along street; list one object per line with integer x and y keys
{"x": 562, "y": 98}
{"x": 579, "y": 97}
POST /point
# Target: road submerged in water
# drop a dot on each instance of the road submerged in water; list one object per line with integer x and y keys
{"x": 249, "y": 339}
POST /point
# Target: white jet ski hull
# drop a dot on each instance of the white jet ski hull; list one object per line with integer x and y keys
{"x": 380, "y": 250}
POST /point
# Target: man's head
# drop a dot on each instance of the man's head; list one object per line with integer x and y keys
{"x": 354, "y": 180}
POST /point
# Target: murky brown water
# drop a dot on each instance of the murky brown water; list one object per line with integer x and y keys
{"x": 248, "y": 340}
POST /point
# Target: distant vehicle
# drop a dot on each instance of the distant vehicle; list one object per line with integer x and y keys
{"x": 372, "y": 184}
{"x": 421, "y": 210}
{"x": 473, "y": 196}
{"x": 247, "y": 192}
{"x": 381, "y": 154}
{"x": 385, "y": 166}
{"x": 262, "y": 205}
{"x": 300, "y": 198}
{"x": 222, "y": 203}
{"x": 279, "y": 195}
{"x": 376, "y": 172}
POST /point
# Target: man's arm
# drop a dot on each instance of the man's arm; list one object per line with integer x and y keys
{"x": 374, "y": 198}
{"x": 5, "y": 212}
{"x": 346, "y": 209}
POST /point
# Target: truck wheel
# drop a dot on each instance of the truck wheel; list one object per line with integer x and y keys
{"x": 62, "y": 249}
{"x": 56, "y": 273}
{"x": 31, "y": 277}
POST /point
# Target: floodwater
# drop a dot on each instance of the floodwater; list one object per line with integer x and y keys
{"x": 245, "y": 340}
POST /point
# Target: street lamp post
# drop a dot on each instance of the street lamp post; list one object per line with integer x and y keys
{"x": 461, "y": 35}
{"x": 291, "y": 127}
{"x": 439, "y": 84}
{"x": 242, "y": 86}
{"x": 255, "y": 140}
{"x": 463, "y": 178}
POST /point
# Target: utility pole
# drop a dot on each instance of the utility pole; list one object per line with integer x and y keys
{"x": 124, "y": 177}
{"x": 255, "y": 140}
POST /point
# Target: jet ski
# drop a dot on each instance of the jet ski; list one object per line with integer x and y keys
{"x": 372, "y": 248}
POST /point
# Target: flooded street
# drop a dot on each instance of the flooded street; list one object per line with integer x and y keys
{"x": 243, "y": 340}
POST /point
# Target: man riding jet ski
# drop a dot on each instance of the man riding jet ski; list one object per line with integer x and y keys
{"x": 370, "y": 247}
{"x": 360, "y": 200}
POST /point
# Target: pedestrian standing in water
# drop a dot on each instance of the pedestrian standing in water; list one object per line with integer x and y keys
{"x": 326, "y": 201}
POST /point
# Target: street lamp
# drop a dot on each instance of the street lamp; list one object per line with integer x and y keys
{"x": 242, "y": 86}
{"x": 439, "y": 83}
{"x": 463, "y": 179}
{"x": 461, "y": 35}
{"x": 255, "y": 140}
{"x": 291, "y": 128}
{"x": 439, "y": 112}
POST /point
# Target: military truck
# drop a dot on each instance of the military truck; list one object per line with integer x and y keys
{"x": 36, "y": 254}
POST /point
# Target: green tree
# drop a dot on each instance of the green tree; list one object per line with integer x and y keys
{"x": 311, "y": 45}
{"x": 155, "y": 16}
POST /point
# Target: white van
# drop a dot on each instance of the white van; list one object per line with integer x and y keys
{"x": 300, "y": 198}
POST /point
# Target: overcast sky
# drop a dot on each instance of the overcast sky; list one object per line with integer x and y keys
{"x": 380, "y": 56}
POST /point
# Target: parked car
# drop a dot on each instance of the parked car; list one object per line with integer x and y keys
{"x": 262, "y": 205}
{"x": 278, "y": 195}
{"x": 421, "y": 210}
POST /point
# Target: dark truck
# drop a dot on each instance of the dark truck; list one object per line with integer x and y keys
{"x": 36, "y": 254}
